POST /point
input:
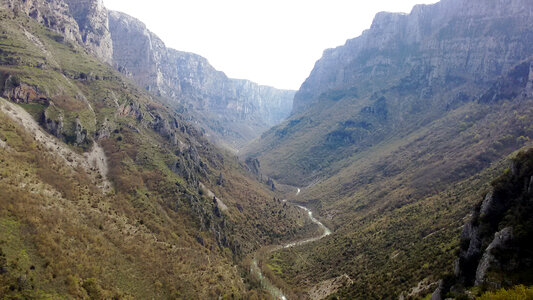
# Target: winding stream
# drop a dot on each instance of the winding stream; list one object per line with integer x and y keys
{"x": 255, "y": 270}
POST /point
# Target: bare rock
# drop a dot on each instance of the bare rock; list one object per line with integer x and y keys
{"x": 487, "y": 204}
{"x": 20, "y": 92}
{"x": 232, "y": 109}
{"x": 82, "y": 21}
{"x": 461, "y": 39}
{"x": 500, "y": 240}
{"x": 80, "y": 133}
{"x": 330, "y": 286}
{"x": 253, "y": 165}
{"x": 91, "y": 16}
{"x": 54, "y": 126}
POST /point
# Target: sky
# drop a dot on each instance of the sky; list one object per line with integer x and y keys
{"x": 274, "y": 42}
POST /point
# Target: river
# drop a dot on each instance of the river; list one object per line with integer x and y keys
{"x": 255, "y": 270}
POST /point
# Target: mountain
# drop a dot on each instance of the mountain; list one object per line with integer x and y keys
{"x": 446, "y": 44}
{"x": 393, "y": 138}
{"x": 232, "y": 111}
{"x": 405, "y": 71}
{"x": 106, "y": 191}
{"x": 111, "y": 187}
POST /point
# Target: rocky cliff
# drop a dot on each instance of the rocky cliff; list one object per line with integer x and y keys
{"x": 450, "y": 42}
{"x": 81, "y": 21}
{"x": 233, "y": 110}
{"x": 404, "y": 72}
{"x": 86, "y": 153}
{"x": 496, "y": 241}
{"x": 91, "y": 16}
{"x": 393, "y": 137}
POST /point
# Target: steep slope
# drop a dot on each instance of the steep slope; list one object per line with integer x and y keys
{"x": 232, "y": 111}
{"x": 496, "y": 242}
{"x": 399, "y": 75}
{"x": 447, "y": 43}
{"x": 106, "y": 193}
{"x": 84, "y": 22}
{"x": 395, "y": 135}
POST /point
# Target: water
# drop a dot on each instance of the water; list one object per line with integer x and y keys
{"x": 255, "y": 270}
{"x": 265, "y": 283}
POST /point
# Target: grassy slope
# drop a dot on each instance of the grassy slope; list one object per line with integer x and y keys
{"x": 397, "y": 208}
{"x": 155, "y": 234}
{"x": 397, "y": 196}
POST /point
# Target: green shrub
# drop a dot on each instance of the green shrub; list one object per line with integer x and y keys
{"x": 517, "y": 292}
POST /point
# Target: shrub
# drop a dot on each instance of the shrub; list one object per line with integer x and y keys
{"x": 517, "y": 292}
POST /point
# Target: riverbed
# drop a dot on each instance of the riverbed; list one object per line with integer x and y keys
{"x": 255, "y": 270}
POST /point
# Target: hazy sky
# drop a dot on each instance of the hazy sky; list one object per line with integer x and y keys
{"x": 272, "y": 42}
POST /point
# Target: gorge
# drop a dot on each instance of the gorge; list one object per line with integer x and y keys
{"x": 131, "y": 170}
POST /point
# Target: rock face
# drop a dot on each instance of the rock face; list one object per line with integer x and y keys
{"x": 450, "y": 41}
{"x": 496, "y": 242}
{"x": 402, "y": 74}
{"x": 18, "y": 92}
{"x": 91, "y": 16}
{"x": 234, "y": 110}
{"x": 81, "y": 21}
{"x": 500, "y": 242}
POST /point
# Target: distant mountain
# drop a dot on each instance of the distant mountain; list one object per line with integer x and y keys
{"x": 232, "y": 111}
{"x": 446, "y": 44}
{"x": 395, "y": 134}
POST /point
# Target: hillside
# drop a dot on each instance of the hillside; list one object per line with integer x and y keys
{"x": 403, "y": 73}
{"x": 106, "y": 192}
{"x": 496, "y": 242}
{"x": 116, "y": 179}
{"x": 232, "y": 111}
{"x": 395, "y": 136}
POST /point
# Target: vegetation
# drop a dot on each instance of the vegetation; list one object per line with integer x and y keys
{"x": 517, "y": 292}
{"x": 396, "y": 185}
{"x": 507, "y": 208}
{"x": 392, "y": 174}
{"x": 155, "y": 233}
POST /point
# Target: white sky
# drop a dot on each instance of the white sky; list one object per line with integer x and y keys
{"x": 271, "y": 42}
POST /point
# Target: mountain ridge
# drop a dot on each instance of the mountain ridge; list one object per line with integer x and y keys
{"x": 106, "y": 190}
{"x": 235, "y": 110}
{"x": 394, "y": 136}
{"x": 414, "y": 34}
{"x": 111, "y": 189}
{"x": 390, "y": 81}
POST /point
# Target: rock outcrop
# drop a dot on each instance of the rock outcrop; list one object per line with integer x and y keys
{"x": 496, "y": 242}
{"x": 82, "y": 21}
{"x": 449, "y": 42}
{"x": 20, "y": 92}
{"x": 91, "y": 16}
{"x": 230, "y": 109}
{"x": 500, "y": 242}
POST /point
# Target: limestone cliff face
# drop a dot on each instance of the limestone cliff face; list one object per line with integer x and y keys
{"x": 400, "y": 75}
{"x": 136, "y": 51}
{"x": 231, "y": 110}
{"x": 81, "y": 21}
{"x": 450, "y": 41}
{"x": 91, "y": 16}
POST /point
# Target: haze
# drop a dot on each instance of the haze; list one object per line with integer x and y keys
{"x": 273, "y": 42}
